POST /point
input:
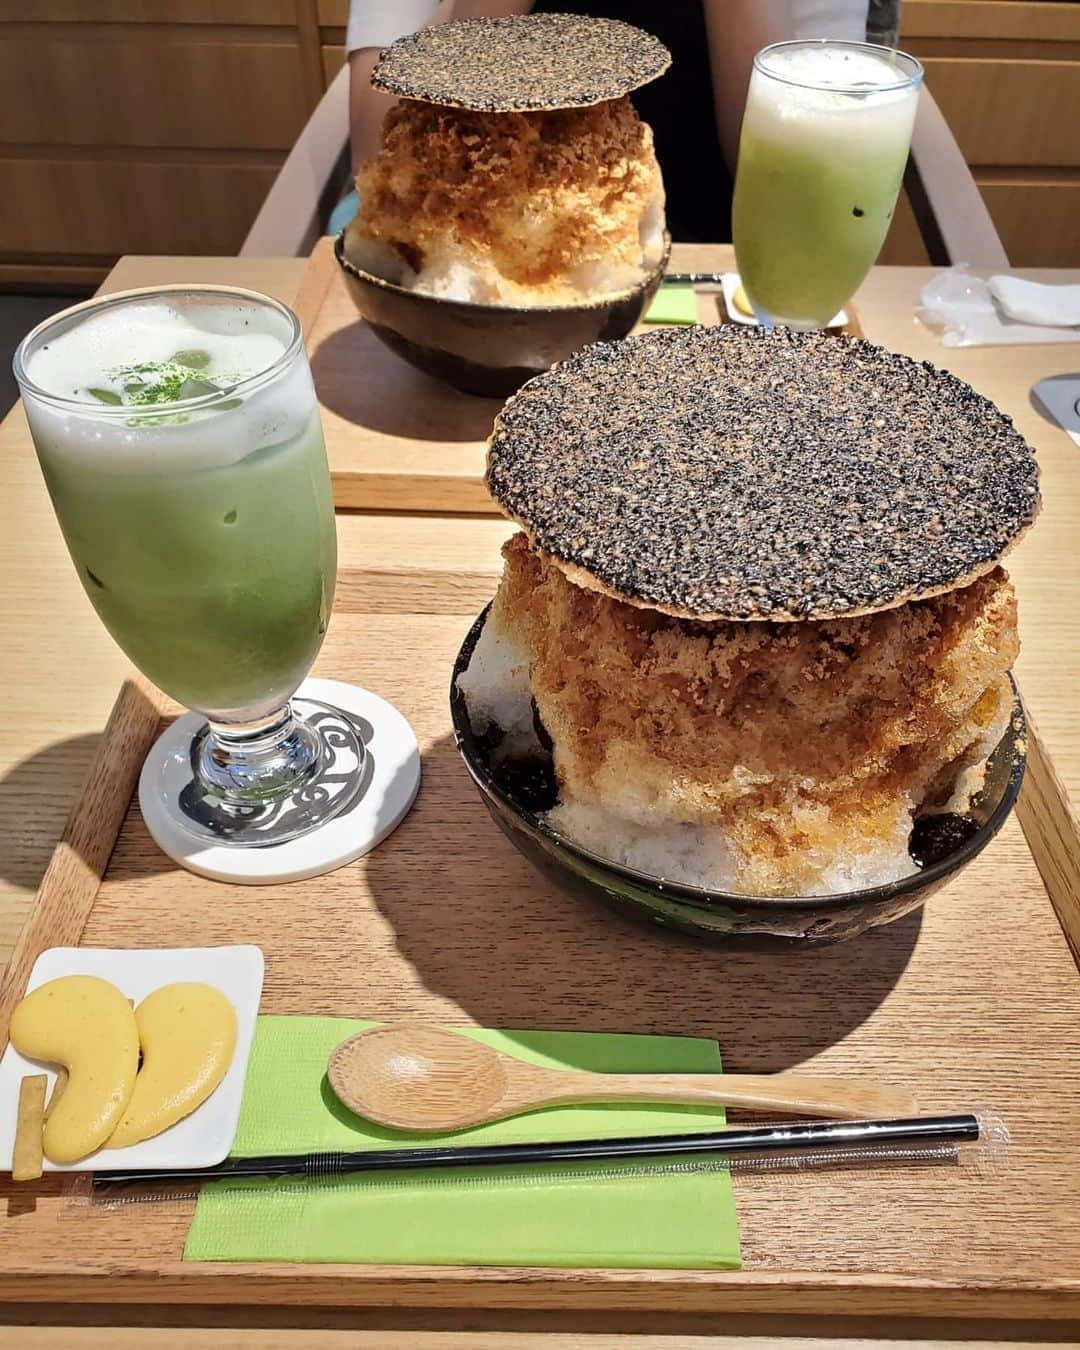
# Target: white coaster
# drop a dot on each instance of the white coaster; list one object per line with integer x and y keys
{"x": 202, "y": 1139}
{"x": 393, "y": 779}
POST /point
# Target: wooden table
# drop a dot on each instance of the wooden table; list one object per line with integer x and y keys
{"x": 61, "y": 672}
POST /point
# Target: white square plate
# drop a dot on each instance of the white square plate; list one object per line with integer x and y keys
{"x": 201, "y": 1139}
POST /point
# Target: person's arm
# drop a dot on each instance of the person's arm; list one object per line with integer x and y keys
{"x": 374, "y": 24}
{"x": 367, "y": 106}
{"x": 738, "y": 29}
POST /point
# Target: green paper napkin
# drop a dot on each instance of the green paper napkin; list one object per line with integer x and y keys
{"x": 672, "y": 304}
{"x": 632, "y": 1213}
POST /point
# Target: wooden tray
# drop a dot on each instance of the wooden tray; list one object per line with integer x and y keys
{"x": 974, "y": 1001}
{"x": 398, "y": 440}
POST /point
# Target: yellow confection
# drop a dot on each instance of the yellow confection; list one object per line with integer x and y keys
{"x": 188, "y": 1035}
{"x": 86, "y": 1025}
{"x": 27, "y": 1154}
{"x": 742, "y": 303}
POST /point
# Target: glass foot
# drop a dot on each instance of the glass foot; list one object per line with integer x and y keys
{"x": 366, "y": 776}
{"x": 316, "y": 772}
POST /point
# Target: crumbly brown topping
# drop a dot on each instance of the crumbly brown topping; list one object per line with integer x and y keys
{"x": 521, "y": 63}
{"x": 534, "y": 194}
{"x": 753, "y": 474}
{"x": 799, "y": 740}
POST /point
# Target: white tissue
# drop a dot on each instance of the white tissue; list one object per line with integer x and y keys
{"x": 1035, "y": 302}
{"x": 970, "y": 312}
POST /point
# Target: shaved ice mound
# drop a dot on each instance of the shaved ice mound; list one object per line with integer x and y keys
{"x": 533, "y": 209}
{"x": 759, "y": 759}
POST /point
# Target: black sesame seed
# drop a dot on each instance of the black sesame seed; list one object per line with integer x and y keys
{"x": 858, "y": 211}
{"x": 522, "y": 63}
{"x": 753, "y": 474}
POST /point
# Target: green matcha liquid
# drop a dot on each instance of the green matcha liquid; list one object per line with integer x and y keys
{"x": 825, "y": 138}
{"x": 216, "y": 582}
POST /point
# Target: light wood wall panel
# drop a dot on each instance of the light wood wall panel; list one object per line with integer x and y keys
{"x": 1036, "y": 220}
{"x": 146, "y": 126}
{"x": 52, "y": 275}
{"x": 1010, "y": 112}
{"x": 152, "y": 11}
{"x": 137, "y": 86}
{"x": 109, "y": 207}
{"x": 998, "y": 20}
{"x": 1006, "y": 75}
{"x": 333, "y": 58}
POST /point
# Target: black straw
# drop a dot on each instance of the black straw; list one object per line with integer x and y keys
{"x": 838, "y": 1135}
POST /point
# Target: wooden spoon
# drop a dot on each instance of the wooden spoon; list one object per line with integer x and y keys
{"x": 416, "y": 1077}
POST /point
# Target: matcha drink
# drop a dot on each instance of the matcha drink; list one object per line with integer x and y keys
{"x": 178, "y": 433}
{"x": 182, "y": 449}
{"x": 825, "y": 138}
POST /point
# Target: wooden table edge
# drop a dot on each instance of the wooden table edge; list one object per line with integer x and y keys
{"x": 437, "y": 493}
{"x": 1052, "y": 831}
{"x": 524, "y": 1288}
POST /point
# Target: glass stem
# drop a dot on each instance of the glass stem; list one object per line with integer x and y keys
{"x": 244, "y": 762}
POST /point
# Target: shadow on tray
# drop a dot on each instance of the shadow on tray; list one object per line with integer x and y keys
{"x": 364, "y": 382}
{"x": 482, "y": 928}
{"x": 40, "y": 791}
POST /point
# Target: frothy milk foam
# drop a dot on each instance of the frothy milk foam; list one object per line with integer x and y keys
{"x": 215, "y": 343}
{"x": 238, "y": 342}
{"x": 828, "y": 115}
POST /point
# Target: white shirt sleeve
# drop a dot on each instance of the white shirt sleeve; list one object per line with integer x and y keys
{"x": 838, "y": 19}
{"x": 377, "y": 23}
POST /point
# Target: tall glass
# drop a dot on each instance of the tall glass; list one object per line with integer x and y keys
{"x": 193, "y": 492}
{"x": 825, "y": 138}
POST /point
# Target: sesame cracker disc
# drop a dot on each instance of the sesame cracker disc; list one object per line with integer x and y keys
{"x": 732, "y": 473}
{"x": 524, "y": 63}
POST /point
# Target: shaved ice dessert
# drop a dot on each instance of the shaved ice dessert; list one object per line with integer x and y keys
{"x": 766, "y": 759}
{"x": 755, "y": 618}
{"x": 514, "y": 169}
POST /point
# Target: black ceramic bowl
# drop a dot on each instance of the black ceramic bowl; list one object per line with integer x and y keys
{"x": 762, "y": 923}
{"x": 489, "y": 349}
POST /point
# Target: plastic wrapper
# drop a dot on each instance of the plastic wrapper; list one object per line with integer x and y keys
{"x": 962, "y": 308}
